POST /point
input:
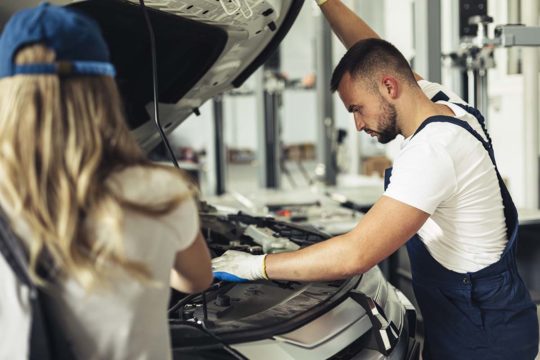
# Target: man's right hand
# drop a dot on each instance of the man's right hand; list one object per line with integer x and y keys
{"x": 237, "y": 266}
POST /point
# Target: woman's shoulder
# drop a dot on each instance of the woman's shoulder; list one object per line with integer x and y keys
{"x": 152, "y": 183}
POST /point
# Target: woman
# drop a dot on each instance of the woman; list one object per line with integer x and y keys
{"x": 81, "y": 195}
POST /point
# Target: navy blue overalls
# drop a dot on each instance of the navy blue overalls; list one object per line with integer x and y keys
{"x": 487, "y": 314}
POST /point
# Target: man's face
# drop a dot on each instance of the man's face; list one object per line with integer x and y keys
{"x": 372, "y": 112}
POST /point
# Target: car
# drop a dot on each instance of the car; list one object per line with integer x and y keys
{"x": 363, "y": 317}
{"x": 204, "y": 48}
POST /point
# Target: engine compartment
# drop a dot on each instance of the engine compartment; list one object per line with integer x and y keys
{"x": 237, "y": 312}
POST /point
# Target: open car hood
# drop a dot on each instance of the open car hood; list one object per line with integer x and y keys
{"x": 202, "y": 51}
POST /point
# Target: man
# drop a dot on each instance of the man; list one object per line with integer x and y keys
{"x": 444, "y": 198}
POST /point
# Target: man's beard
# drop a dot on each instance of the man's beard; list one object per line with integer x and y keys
{"x": 387, "y": 122}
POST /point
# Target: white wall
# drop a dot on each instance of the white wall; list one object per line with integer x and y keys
{"x": 298, "y": 117}
{"x": 240, "y": 121}
{"x": 298, "y": 124}
{"x": 195, "y": 131}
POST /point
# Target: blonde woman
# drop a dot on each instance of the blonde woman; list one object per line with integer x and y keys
{"x": 81, "y": 195}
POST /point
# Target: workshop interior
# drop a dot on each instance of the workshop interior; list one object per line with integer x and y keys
{"x": 236, "y": 93}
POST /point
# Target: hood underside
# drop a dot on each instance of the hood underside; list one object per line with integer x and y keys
{"x": 203, "y": 49}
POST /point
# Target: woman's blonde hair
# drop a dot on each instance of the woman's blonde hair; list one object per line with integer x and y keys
{"x": 60, "y": 138}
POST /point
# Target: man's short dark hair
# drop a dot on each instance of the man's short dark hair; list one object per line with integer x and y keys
{"x": 368, "y": 57}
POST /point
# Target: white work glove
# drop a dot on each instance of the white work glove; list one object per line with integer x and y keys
{"x": 237, "y": 266}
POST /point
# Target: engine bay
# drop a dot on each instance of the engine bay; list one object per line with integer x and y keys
{"x": 248, "y": 311}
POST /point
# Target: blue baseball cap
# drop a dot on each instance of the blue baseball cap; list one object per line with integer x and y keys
{"x": 76, "y": 39}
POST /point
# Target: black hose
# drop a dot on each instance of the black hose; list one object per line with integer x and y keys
{"x": 155, "y": 83}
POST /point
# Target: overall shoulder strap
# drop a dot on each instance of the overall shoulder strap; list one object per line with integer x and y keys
{"x": 510, "y": 211}
{"x": 441, "y": 96}
{"x": 463, "y": 124}
{"x": 478, "y": 115}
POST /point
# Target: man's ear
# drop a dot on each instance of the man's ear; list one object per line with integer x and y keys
{"x": 390, "y": 87}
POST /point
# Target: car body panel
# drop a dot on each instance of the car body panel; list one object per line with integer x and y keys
{"x": 236, "y": 47}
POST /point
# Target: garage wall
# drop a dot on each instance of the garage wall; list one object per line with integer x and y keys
{"x": 298, "y": 117}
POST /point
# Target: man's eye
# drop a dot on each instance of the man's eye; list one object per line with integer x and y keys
{"x": 355, "y": 109}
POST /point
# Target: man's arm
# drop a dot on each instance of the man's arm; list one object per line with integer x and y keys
{"x": 348, "y": 26}
{"x": 385, "y": 228}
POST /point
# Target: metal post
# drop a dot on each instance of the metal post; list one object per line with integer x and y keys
{"x": 478, "y": 89}
{"x": 471, "y": 88}
{"x": 269, "y": 145}
{"x": 529, "y": 16}
{"x": 427, "y": 61}
{"x": 219, "y": 144}
{"x": 259, "y": 99}
{"x": 273, "y": 146}
{"x": 326, "y": 132}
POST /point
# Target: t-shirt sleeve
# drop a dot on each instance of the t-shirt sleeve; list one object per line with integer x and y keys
{"x": 184, "y": 221}
{"x": 434, "y": 91}
{"x": 423, "y": 176}
{"x": 153, "y": 186}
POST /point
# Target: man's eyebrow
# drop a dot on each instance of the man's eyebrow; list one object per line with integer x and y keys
{"x": 352, "y": 108}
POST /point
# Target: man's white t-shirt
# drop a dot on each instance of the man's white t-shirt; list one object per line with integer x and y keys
{"x": 125, "y": 319}
{"x": 446, "y": 172}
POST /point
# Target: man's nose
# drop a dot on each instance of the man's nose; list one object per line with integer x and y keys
{"x": 360, "y": 125}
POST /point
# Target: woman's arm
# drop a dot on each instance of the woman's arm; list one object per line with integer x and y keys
{"x": 192, "y": 271}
